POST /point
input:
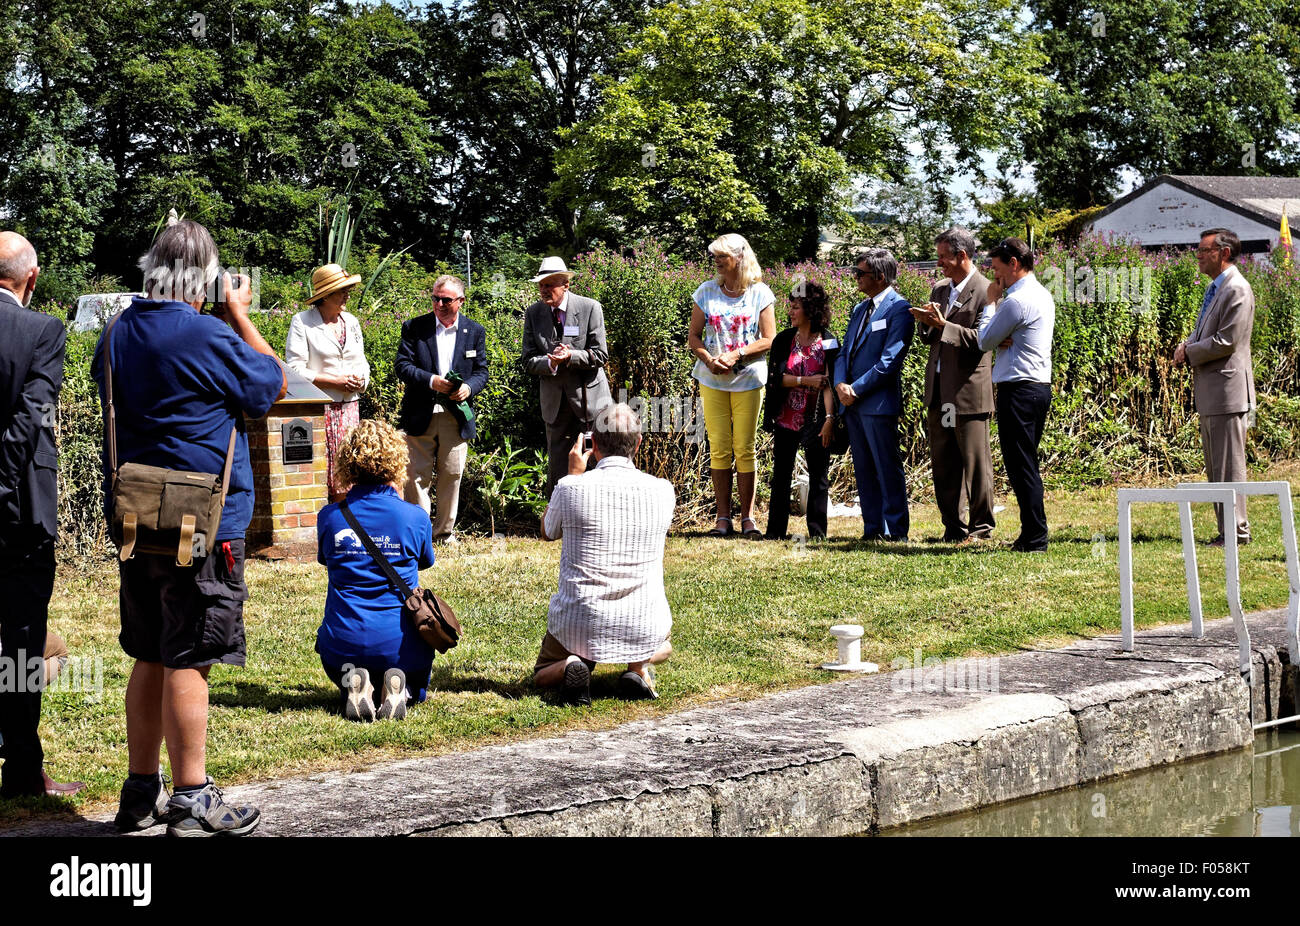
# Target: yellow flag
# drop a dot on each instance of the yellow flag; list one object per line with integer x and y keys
{"x": 1284, "y": 237}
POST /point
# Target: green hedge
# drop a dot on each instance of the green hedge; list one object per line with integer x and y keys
{"x": 1121, "y": 411}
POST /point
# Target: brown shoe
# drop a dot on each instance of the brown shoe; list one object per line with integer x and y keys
{"x": 61, "y": 788}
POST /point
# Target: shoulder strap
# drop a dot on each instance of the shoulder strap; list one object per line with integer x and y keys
{"x": 380, "y": 559}
{"x": 108, "y": 388}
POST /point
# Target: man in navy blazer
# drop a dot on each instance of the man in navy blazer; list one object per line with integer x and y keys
{"x": 868, "y": 383}
{"x": 31, "y": 373}
{"x": 442, "y": 359}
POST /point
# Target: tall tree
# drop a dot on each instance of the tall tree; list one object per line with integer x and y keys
{"x": 1163, "y": 86}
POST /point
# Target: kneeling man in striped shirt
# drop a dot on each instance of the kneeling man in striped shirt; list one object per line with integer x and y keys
{"x": 610, "y": 606}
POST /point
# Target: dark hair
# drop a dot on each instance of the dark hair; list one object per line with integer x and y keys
{"x": 812, "y": 298}
{"x": 1225, "y": 238}
{"x": 1008, "y": 248}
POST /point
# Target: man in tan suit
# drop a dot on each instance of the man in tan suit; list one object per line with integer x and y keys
{"x": 1218, "y": 352}
{"x": 958, "y": 390}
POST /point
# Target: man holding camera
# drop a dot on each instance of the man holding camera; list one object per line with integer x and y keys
{"x": 610, "y": 605}
{"x": 564, "y": 347}
{"x": 181, "y": 381}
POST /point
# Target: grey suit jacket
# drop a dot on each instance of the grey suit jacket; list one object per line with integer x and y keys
{"x": 583, "y": 373}
{"x": 1219, "y": 351}
{"x": 965, "y": 373}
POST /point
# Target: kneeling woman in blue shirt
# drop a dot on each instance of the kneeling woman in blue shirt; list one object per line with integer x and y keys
{"x": 364, "y": 635}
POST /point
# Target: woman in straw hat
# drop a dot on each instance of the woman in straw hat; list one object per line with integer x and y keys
{"x": 325, "y": 346}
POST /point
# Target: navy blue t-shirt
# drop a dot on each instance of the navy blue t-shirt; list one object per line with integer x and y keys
{"x": 182, "y": 380}
{"x": 363, "y": 622}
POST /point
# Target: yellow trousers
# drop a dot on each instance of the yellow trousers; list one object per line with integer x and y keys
{"x": 731, "y": 418}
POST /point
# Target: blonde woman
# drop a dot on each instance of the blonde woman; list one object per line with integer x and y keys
{"x": 732, "y": 326}
{"x": 325, "y": 346}
{"x": 363, "y": 635}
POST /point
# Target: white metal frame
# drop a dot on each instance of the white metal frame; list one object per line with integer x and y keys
{"x": 1223, "y": 493}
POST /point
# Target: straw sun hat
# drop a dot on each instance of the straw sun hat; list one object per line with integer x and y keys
{"x": 329, "y": 279}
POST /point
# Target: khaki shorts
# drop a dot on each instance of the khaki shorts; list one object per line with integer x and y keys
{"x": 552, "y": 652}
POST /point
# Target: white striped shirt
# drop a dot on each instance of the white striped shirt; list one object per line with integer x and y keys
{"x": 610, "y": 605}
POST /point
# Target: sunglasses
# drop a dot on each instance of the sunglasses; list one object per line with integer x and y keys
{"x": 447, "y": 300}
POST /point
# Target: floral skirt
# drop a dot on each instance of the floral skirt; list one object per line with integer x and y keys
{"x": 340, "y": 418}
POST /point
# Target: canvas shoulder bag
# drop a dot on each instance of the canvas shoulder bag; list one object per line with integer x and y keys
{"x": 433, "y": 618}
{"x": 158, "y": 510}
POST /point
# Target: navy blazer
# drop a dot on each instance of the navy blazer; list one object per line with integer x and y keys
{"x": 417, "y": 361}
{"x": 875, "y": 366}
{"x": 31, "y": 374}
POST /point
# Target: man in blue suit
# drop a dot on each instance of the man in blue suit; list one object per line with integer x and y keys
{"x": 31, "y": 372}
{"x": 442, "y": 359}
{"x": 868, "y": 384}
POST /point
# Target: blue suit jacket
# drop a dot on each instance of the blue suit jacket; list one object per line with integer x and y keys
{"x": 874, "y": 368}
{"x": 31, "y": 373}
{"x": 417, "y": 361}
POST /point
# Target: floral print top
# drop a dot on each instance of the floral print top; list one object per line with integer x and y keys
{"x": 730, "y": 323}
{"x": 804, "y": 361}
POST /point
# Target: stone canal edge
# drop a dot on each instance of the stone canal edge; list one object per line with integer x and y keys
{"x": 854, "y": 756}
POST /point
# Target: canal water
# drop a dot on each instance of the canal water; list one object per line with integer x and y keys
{"x": 1241, "y": 793}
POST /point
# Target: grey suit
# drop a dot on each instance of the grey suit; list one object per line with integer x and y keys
{"x": 959, "y": 403}
{"x": 572, "y": 394}
{"x": 1218, "y": 352}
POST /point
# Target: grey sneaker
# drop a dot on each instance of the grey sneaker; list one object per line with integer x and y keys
{"x": 142, "y": 805}
{"x": 358, "y": 696}
{"x": 205, "y": 813}
{"x": 394, "y": 706}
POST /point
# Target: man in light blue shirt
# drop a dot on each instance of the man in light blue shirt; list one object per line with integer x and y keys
{"x": 1019, "y": 321}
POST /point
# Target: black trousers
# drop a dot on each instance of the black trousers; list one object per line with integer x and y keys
{"x": 785, "y": 446}
{"x": 1022, "y": 413}
{"x": 26, "y": 583}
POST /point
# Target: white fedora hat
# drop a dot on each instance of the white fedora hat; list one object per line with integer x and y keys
{"x": 552, "y": 267}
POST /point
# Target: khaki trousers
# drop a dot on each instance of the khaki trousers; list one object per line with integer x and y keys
{"x": 437, "y": 463}
{"x": 1224, "y": 440}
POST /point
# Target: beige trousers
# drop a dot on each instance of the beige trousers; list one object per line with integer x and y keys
{"x": 437, "y": 463}
{"x": 1224, "y": 440}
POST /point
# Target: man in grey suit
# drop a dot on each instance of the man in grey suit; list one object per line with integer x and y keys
{"x": 1218, "y": 352}
{"x": 958, "y": 390}
{"x": 564, "y": 347}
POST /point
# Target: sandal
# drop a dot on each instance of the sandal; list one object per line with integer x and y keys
{"x": 719, "y": 532}
{"x": 752, "y": 532}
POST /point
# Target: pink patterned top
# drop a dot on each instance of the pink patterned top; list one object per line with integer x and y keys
{"x": 804, "y": 361}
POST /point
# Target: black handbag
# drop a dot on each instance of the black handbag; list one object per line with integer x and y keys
{"x": 434, "y": 619}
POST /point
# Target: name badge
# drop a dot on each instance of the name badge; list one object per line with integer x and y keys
{"x": 571, "y": 331}
{"x": 879, "y": 324}
{"x": 829, "y": 344}
{"x": 471, "y": 353}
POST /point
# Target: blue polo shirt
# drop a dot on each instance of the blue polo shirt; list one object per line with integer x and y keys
{"x": 182, "y": 380}
{"x": 363, "y": 622}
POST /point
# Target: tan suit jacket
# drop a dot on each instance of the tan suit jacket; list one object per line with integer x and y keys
{"x": 1219, "y": 350}
{"x": 965, "y": 373}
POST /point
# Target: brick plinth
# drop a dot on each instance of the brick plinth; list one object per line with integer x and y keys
{"x": 287, "y": 496}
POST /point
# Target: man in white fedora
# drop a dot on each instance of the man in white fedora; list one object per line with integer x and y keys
{"x": 564, "y": 347}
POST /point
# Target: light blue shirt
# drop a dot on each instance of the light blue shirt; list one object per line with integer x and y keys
{"x": 1027, "y": 315}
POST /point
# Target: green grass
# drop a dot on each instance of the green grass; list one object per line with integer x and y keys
{"x": 749, "y": 618}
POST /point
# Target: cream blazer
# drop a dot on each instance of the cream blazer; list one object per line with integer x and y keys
{"x": 310, "y": 349}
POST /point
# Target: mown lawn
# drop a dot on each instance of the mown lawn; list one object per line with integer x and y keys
{"x": 749, "y": 618}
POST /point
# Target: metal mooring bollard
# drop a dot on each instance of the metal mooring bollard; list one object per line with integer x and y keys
{"x": 848, "y": 637}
